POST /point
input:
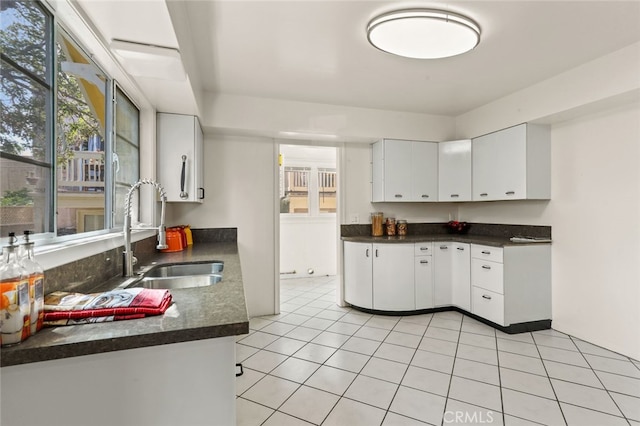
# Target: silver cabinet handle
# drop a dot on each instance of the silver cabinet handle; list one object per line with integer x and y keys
{"x": 425, "y": 196}
{"x": 484, "y": 296}
{"x": 367, "y": 253}
{"x": 486, "y": 252}
{"x": 443, "y": 247}
{"x": 455, "y": 195}
{"x": 510, "y": 193}
{"x": 486, "y": 267}
{"x": 183, "y": 195}
{"x": 398, "y": 195}
{"x": 424, "y": 248}
{"x": 484, "y": 194}
{"x": 424, "y": 261}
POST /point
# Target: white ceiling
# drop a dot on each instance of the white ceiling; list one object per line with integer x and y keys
{"x": 316, "y": 51}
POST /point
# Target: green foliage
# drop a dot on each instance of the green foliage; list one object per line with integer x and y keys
{"x": 26, "y": 93}
{"x": 19, "y": 197}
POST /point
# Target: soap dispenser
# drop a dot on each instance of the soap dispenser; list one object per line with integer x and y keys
{"x": 36, "y": 282}
{"x": 15, "y": 304}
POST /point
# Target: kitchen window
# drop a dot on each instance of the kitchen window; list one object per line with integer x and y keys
{"x": 69, "y": 138}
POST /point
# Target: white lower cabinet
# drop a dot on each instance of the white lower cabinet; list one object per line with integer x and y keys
{"x": 505, "y": 285}
{"x": 442, "y": 274}
{"x": 379, "y": 276}
{"x": 423, "y": 272}
{"x": 514, "y": 286}
{"x": 358, "y": 274}
{"x": 452, "y": 275}
{"x": 461, "y": 276}
{"x": 393, "y": 279}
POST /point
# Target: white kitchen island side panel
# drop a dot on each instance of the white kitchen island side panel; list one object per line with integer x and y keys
{"x": 190, "y": 383}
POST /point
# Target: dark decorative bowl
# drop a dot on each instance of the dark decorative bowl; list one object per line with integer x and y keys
{"x": 455, "y": 227}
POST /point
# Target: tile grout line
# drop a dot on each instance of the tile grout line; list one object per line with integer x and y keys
{"x": 603, "y": 385}
{"x": 405, "y": 372}
{"x": 455, "y": 356}
{"x": 549, "y": 379}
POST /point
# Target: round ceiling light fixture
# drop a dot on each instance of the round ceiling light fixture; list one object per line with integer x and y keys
{"x": 423, "y": 33}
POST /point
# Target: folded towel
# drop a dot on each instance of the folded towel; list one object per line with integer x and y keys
{"x": 63, "y": 308}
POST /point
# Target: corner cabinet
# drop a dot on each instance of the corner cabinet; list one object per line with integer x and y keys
{"x": 454, "y": 170}
{"x": 180, "y": 165}
{"x": 513, "y": 164}
{"x": 404, "y": 171}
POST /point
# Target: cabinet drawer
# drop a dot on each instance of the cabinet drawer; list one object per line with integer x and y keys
{"x": 423, "y": 249}
{"x": 487, "y": 304}
{"x": 488, "y": 275}
{"x": 493, "y": 254}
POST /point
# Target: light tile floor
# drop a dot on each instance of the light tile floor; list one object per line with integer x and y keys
{"x": 321, "y": 364}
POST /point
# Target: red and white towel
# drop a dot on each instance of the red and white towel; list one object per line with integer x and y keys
{"x": 64, "y": 308}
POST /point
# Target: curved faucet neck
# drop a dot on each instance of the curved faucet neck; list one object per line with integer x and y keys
{"x": 128, "y": 258}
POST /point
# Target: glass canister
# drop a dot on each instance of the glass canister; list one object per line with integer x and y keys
{"x": 401, "y": 227}
{"x": 391, "y": 226}
{"x": 376, "y": 224}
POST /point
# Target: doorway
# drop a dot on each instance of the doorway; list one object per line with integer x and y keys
{"x": 308, "y": 198}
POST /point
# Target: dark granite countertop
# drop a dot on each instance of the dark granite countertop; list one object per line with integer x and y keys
{"x": 197, "y": 313}
{"x": 487, "y": 240}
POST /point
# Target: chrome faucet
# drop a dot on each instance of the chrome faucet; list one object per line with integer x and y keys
{"x": 128, "y": 259}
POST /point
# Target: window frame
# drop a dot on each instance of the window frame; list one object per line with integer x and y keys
{"x": 50, "y": 240}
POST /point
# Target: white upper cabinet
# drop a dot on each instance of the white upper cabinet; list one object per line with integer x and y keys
{"x": 454, "y": 170}
{"x": 404, "y": 171}
{"x": 424, "y": 166}
{"x": 180, "y": 157}
{"x": 512, "y": 164}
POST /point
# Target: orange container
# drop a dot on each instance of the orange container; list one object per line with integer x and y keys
{"x": 174, "y": 240}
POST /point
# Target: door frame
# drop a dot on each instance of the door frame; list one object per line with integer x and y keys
{"x": 340, "y": 162}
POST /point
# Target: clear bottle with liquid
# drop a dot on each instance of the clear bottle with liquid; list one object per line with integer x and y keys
{"x": 36, "y": 282}
{"x": 15, "y": 303}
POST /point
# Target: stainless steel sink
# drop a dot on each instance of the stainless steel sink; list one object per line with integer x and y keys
{"x": 171, "y": 283}
{"x": 184, "y": 269}
{"x": 180, "y": 275}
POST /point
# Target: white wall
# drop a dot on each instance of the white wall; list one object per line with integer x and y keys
{"x": 594, "y": 214}
{"x": 240, "y": 192}
{"x": 308, "y": 243}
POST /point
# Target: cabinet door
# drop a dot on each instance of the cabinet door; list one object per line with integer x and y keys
{"x": 393, "y": 279}
{"x": 500, "y": 165}
{"x": 442, "y": 274}
{"x": 179, "y": 147}
{"x": 397, "y": 170}
{"x": 377, "y": 171}
{"x": 423, "y": 270}
{"x": 461, "y": 275}
{"x": 424, "y": 168}
{"x": 454, "y": 170}
{"x": 358, "y": 289}
{"x": 198, "y": 162}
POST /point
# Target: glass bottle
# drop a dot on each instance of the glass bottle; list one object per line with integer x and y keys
{"x": 15, "y": 304}
{"x": 36, "y": 282}
{"x": 376, "y": 224}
